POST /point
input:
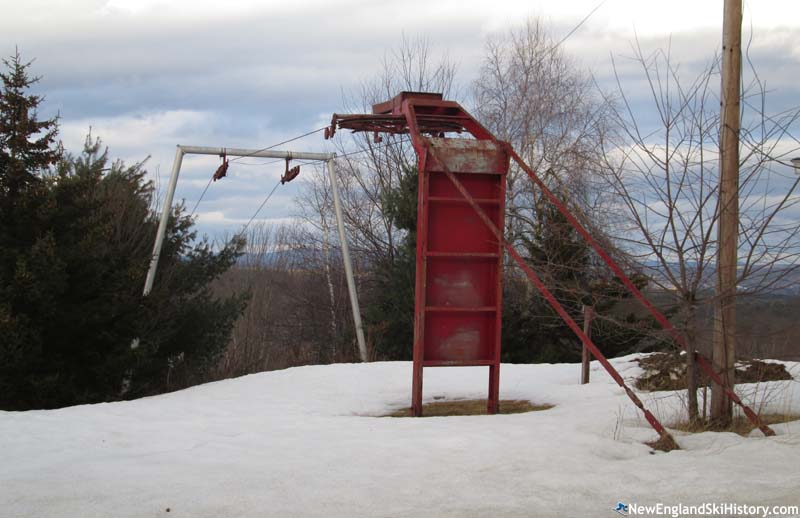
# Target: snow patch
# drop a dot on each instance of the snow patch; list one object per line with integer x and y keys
{"x": 302, "y": 442}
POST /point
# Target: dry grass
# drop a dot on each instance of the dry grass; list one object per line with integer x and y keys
{"x": 667, "y": 371}
{"x": 664, "y": 443}
{"x": 470, "y": 407}
{"x": 740, "y": 424}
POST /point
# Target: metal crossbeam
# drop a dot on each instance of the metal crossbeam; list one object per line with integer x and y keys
{"x": 261, "y": 153}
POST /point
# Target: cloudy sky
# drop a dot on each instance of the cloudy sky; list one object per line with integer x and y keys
{"x": 146, "y": 75}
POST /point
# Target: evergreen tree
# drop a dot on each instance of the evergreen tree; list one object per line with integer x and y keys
{"x": 390, "y": 317}
{"x": 27, "y": 144}
{"x": 532, "y": 330}
{"x": 71, "y": 277}
{"x": 27, "y": 258}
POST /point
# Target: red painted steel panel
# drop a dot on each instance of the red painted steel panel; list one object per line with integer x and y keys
{"x": 459, "y": 261}
{"x": 460, "y": 336}
{"x": 456, "y": 228}
{"x": 461, "y": 282}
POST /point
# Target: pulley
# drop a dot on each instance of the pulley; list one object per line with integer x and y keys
{"x": 290, "y": 174}
{"x": 222, "y": 170}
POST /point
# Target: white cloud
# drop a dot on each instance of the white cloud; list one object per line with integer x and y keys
{"x": 131, "y": 131}
{"x": 217, "y": 216}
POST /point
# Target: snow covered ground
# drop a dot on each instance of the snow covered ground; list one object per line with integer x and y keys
{"x": 305, "y": 442}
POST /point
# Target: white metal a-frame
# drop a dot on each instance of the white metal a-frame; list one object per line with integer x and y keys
{"x": 329, "y": 158}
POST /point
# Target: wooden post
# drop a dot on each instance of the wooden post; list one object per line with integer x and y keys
{"x": 588, "y": 315}
{"x": 724, "y": 344}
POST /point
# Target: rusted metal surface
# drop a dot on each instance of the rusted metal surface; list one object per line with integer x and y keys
{"x": 394, "y": 124}
{"x": 222, "y": 170}
{"x": 395, "y": 105}
{"x": 432, "y": 116}
{"x": 467, "y": 156}
{"x": 290, "y": 174}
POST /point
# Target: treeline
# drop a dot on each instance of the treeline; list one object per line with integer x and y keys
{"x": 76, "y": 234}
{"x": 300, "y": 314}
{"x": 647, "y": 191}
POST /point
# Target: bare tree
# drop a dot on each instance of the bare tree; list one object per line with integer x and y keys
{"x": 368, "y": 170}
{"x": 664, "y": 174}
{"x": 288, "y": 319}
{"x": 531, "y": 94}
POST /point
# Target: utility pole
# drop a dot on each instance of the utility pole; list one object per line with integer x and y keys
{"x": 724, "y": 351}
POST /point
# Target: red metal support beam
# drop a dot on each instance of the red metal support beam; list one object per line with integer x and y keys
{"x": 701, "y": 360}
